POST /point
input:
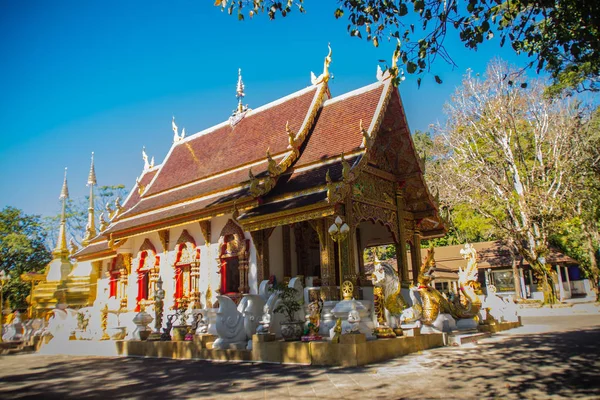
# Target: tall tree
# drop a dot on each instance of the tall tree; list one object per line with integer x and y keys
{"x": 560, "y": 35}
{"x": 22, "y": 250}
{"x": 579, "y": 237}
{"x": 511, "y": 158}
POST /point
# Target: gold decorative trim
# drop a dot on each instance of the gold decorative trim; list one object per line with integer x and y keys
{"x": 205, "y": 228}
{"x": 289, "y": 217}
{"x": 163, "y": 236}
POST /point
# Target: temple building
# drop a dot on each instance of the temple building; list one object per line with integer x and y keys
{"x": 257, "y": 196}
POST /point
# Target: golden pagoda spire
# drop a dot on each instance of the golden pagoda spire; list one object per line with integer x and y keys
{"x": 90, "y": 228}
{"x": 61, "y": 249}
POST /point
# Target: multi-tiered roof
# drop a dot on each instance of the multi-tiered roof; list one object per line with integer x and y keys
{"x": 295, "y": 157}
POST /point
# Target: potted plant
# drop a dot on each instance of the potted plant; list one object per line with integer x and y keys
{"x": 289, "y": 305}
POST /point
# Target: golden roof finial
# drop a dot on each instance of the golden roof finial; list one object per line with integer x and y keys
{"x": 324, "y": 77}
{"x": 326, "y": 64}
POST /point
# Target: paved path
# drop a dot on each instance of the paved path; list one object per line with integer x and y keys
{"x": 550, "y": 357}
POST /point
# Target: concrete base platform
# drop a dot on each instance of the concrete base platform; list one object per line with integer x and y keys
{"x": 353, "y": 351}
{"x": 499, "y": 326}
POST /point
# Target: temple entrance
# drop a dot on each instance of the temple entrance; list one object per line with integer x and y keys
{"x": 233, "y": 259}
{"x": 230, "y": 275}
{"x": 307, "y": 251}
{"x": 147, "y": 271}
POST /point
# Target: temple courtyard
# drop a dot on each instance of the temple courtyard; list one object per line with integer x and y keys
{"x": 549, "y": 357}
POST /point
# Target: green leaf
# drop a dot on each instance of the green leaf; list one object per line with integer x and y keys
{"x": 438, "y": 80}
{"x": 411, "y": 67}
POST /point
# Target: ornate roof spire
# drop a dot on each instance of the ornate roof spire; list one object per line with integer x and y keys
{"x": 324, "y": 77}
{"x": 61, "y": 249}
{"x": 90, "y": 228}
{"x": 145, "y": 158}
{"x": 64, "y": 193}
{"x": 92, "y": 176}
{"x": 240, "y": 92}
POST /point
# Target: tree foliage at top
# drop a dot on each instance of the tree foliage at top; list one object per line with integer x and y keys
{"x": 561, "y": 36}
{"x": 22, "y": 250}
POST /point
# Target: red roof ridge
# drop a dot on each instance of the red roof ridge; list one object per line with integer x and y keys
{"x": 182, "y": 203}
{"x": 249, "y": 113}
{"x": 217, "y": 175}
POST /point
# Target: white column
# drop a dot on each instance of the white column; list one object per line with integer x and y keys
{"x": 569, "y": 295}
{"x": 561, "y": 290}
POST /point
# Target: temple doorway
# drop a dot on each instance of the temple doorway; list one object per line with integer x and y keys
{"x": 307, "y": 250}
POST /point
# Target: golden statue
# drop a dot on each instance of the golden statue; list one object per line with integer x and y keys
{"x": 337, "y": 331}
{"x": 467, "y": 305}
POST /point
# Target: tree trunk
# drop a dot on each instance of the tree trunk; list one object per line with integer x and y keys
{"x": 548, "y": 285}
{"x": 594, "y": 272}
{"x": 516, "y": 277}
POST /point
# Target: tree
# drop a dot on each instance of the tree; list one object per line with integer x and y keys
{"x": 512, "y": 158}
{"x": 579, "y": 237}
{"x": 21, "y": 250}
{"x": 561, "y": 36}
{"x": 77, "y": 213}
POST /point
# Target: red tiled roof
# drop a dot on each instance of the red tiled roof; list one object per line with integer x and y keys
{"x": 192, "y": 191}
{"x": 176, "y": 215}
{"x": 228, "y": 147}
{"x": 337, "y": 129}
{"x": 97, "y": 249}
{"x": 134, "y": 196}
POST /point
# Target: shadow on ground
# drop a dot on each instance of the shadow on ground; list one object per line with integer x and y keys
{"x": 563, "y": 364}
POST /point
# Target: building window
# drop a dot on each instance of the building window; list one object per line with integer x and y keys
{"x": 503, "y": 280}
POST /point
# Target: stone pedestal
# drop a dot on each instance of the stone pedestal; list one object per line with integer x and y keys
{"x": 412, "y": 332}
{"x": 354, "y": 338}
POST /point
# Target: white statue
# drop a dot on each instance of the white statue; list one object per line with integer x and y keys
{"x": 230, "y": 326}
{"x": 353, "y": 319}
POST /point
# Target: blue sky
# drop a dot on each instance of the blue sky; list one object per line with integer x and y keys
{"x": 77, "y": 77}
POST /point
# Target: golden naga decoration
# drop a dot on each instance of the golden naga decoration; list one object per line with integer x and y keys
{"x": 273, "y": 169}
{"x": 139, "y": 185}
{"x": 208, "y": 295}
{"x": 337, "y": 331}
{"x": 337, "y": 191}
{"x": 366, "y": 142}
{"x": 386, "y": 278}
{"x": 293, "y": 143}
{"x": 324, "y": 77}
{"x": 104, "y": 322}
{"x": 393, "y": 71}
{"x": 74, "y": 248}
{"x": 467, "y": 305}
